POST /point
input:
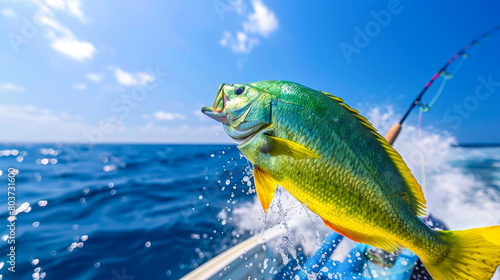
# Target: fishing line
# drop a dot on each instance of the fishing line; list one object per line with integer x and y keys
{"x": 425, "y": 108}
{"x": 446, "y": 77}
{"x": 460, "y": 53}
{"x": 421, "y": 148}
{"x": 395, "y": 129}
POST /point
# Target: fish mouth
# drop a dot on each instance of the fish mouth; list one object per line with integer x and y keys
{"x": 216, "y": 112}
{"x": 238, "y": 135}
{"x": 241, "y": 130}
{"x": 214, "y": 115}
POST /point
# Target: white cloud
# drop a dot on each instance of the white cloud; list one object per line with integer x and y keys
{"x": 62, "y": 38}
{"x": 80, "y": 86}
{"x": 262, "y": 22}
{"x": 238, "y": 6}
{"x": 67, "y": 117}
{"x": 239, "y": 44}
{"x": 28, "y": 112}
{"x": 32, "y": 124}
{"x": 8, "y": 12}
{"x": 73, "y": 48}
{"x": 132, "y": 79}
{"x": 55, "y": 27}
{"x": 75, "y": 10}
{"x": 6, "y": 87}
{"x": 165, "y": 116}
{"x": 94, "y": 77}
{"x": 64, "y": 41}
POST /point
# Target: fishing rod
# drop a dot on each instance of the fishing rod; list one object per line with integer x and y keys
{"x": 396, "y": 129}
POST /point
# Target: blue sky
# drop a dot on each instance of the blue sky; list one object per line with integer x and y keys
{"x": 139, "y": 71}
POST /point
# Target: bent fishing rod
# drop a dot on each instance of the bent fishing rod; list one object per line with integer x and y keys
{"x": 396, "y": 129}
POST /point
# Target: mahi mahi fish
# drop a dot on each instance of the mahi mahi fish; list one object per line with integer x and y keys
{"x": 334, "y": 162}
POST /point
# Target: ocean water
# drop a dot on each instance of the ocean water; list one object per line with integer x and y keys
{"x": 159, "y": 211}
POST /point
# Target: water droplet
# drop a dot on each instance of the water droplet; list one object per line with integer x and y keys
{"x": 23, "y": 207}
{"x": 169, "y": 272}
{"x": 228, "y": 182}
{"x": 148, "y": 244}
{"x": 36, "y": 224}
{"x": 44, "y": 161}
{"x": 108, "y": 168}
{"x": 200, "y": 197}
{"x": 35, "y": 262}
{"x": 97, "y": 265}
{"x": 42, "y": 203}
{"x": 84, "y": 238}
{"x": 212, "y": 155}
{"x": 223, "y": 222}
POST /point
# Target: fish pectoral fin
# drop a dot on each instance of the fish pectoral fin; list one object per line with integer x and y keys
{"x": 279, "y": 146}
{"x": 265, "y": 185}
{"x": 383, "y": 243}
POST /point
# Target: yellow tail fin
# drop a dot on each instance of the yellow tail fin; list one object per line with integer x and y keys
{"x": 474, "y": 254}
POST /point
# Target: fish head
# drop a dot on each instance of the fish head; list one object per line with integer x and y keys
{"x": 243, "y": 109}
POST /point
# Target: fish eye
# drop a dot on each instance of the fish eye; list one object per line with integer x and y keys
{"x": 239, "y": 90}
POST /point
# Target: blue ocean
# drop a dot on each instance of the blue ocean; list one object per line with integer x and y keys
{"x": 159, "y": 211}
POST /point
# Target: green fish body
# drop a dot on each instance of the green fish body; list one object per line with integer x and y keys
{"x": 334, "y": 162}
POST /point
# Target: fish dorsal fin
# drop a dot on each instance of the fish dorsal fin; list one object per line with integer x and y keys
{"x": 353, "y": 112}
{"x": 417, "y": 202}
{"x": 265, "y": 186}
{"x": 278, "y": 146}
{"x": 383, "y": 243}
